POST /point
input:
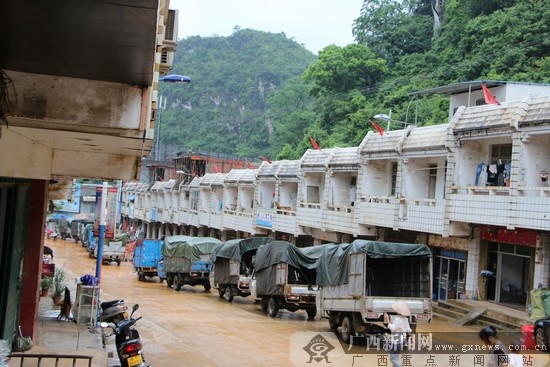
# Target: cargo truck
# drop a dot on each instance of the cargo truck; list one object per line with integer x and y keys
{"x": 147, "y": 258}
{"x": 284, "y": 278}
{"x": 233, "y": 265}
{"x": 360, "y": 281}
{"x": 187, "y": 260}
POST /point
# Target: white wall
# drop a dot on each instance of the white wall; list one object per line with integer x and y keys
{"x": 535, "y": 156}
{"x": 377, "y": 178}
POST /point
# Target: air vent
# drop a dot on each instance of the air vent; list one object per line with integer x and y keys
{"x": 172, "y": 26}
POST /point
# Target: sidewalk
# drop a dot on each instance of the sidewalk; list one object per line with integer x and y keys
{"x": 64, "y": 337}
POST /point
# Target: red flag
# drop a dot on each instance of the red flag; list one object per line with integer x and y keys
{"x": 314, "y": 143}
{"x": 489, "y": 98}
{"x": 265, "y": 159}
{"x": 377, "y": 127}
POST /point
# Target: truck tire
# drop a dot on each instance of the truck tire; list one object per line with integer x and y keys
{"x": 333, "y": 322}
{"x": 169, "y": 281}
{"x": 347, "y": 329}
{"x": 263, "y": 304}
{"x": 118, "y": 262}
{"x": 177, "y": 283}
{"x": 272, "y": 307}
{"x": 311, "y": 312}
{"x": 228, "y": 296}
{"x": 140, "y": 275}
{"x": 221, "y": 292}
{"x": 207, "y": 285}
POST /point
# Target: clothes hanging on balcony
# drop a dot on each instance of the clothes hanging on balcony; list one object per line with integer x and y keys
{"x": 494, "y": 174}
{"x": 481, "y": 171}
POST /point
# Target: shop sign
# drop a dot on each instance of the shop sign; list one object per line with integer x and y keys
{"x": 518, "y": 236}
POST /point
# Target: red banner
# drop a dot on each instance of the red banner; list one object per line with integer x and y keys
{"x": 518, "y": 236}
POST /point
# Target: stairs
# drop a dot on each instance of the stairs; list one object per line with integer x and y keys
{"x": 480, "y": 313}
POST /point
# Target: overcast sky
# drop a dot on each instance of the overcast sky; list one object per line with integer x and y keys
{"x": 313, "y": 23}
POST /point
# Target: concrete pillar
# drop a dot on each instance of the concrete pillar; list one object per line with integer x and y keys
{"x": 32, "y": 263}
{"x": 472, "y": 268}
{"x": 542, "y": 261}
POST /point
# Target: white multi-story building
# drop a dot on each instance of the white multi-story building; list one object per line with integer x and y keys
{"x": 474, "y": 189}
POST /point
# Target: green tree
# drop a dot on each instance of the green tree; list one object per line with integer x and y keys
{"x": 392, "y": 28}
{"x": 337, "y": 77}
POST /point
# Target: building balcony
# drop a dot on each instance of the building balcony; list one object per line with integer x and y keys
{"x": 494, "y": 205}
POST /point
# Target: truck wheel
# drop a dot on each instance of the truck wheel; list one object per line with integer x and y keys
{"x": 169, "y": 281}
{"x": 228, "y": 296}
{"x": 207, "y": 286}
{"x": 140, "y": 275}
{"x": 177, "y": 284}
{"x": 220, "y": 292}
{"x": 272, "y": 307}
{"x": 311, "y": 312}
{"x": 118, "y": 262}
{"x": 347, "y": 330}
{"x": 263, "y": 304}
{"x": 333, "y": 322}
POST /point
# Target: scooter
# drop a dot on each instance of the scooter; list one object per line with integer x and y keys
{"x": 112, "y": 312}
{"x": 127, "y": 341}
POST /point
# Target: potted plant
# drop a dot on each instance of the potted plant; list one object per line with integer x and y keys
{"x": 58, "y": 286}
{"x": 45, "y": 285}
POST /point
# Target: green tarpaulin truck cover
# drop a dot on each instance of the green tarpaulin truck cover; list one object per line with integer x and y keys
{"x": 332, "y": 264}
{"x": 235, "y": 249}
{"x": 188, "y": 247}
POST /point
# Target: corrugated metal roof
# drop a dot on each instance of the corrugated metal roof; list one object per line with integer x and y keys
{"x": 248, "y": 176}
{"x": 207, "y": 179}
{"x": 374, "y": 144}
{"x": 218, "y": 179}
{"x": 157, "y": 186}
{"x": 536, "y": 111}
{"x": 315, "y": 157}
{"x": 233, "y": 175}
{"x": 289, "y": 169}
{"x": 169, "y": 184}
{"x": 267, "y": 169}
{"x": 462, "y": 87}
{"x": 196, "y": 182}
{"x": 426, "y": 138}
{"x": 344, "y": 157}
{"x": 143, "y": 187}
{"x": 486, "y": 117}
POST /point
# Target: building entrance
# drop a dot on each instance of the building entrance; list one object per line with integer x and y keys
{"x": 449, "y": 271}
{"x": 510, "y": 267}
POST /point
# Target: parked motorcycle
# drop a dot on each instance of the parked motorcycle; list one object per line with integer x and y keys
{"x": 127, "y": 341}
{"x": 112, "y": 312}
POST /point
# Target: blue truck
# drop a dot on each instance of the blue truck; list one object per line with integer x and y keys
{"x": 147, "y": 259}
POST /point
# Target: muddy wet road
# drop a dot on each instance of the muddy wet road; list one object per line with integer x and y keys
{"x": 197, "y": 328}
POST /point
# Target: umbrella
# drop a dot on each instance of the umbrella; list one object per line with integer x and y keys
{"x": 401, "y": 308}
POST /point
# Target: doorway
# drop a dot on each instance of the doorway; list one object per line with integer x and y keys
{"x": 510, "y": 265}
{"x": 449, "y": 274}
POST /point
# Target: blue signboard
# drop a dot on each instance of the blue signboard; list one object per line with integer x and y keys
{"x": 264, "y": 218}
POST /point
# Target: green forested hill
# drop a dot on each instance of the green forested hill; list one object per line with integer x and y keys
{"x": 255, "y": 93}
{"x": 224, "y": 109}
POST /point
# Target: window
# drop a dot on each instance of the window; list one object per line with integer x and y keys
{"x": 501, "y": 152}
{"x": 393, "y": 178}
{"x": 432, "y": 180}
